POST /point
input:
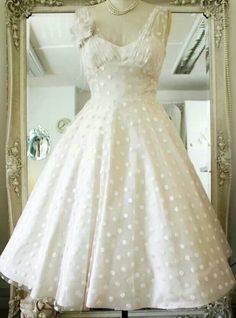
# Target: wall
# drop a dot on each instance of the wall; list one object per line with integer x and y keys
{"x": 48, "y": 105}
{"x": 3, "y": 198}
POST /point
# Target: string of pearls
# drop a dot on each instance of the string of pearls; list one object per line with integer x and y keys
{"x": 114, "y": 10}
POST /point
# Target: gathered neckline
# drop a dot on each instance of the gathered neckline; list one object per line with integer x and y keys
{"x": 142, "y": 29}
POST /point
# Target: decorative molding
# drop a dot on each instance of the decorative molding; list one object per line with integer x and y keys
{"x": 17, "y": 9}
{"x": 13, "y": 167}
{"x": 14, "y": 305}
{"x": 93, "y": 2}
{"x": 40, "y": 308}
{"x": 212, "y": 8}
{"x": 23, "y": 9}
{"x": 221, "y": 308}
{"x": 224, "y": 163}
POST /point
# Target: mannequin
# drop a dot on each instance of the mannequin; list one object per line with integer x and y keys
{"x": 127, "y": 26}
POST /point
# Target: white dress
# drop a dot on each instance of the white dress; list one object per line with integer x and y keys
{"x": 118, "y": 217}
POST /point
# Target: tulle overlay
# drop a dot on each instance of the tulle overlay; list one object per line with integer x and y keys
{"x": 118, "y": 217}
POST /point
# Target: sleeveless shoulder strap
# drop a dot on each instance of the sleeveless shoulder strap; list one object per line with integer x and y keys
{"x": 156, "y": 26}
{"x": 82, "y": 13}
{"x": 157, "y": 23}
{"x": 160, "y": 24}
{"x": 82, "y": 27}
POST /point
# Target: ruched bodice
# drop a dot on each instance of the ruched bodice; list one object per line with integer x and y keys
{"x": 114, "y": 82}
{"x": 141, "y": 58}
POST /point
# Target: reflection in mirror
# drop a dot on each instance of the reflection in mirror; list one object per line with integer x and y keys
{"x": 57, "y": 89}
{"x": 62, "y": 124}
{"x": 38, "y": 143}
{"x": 184, "y": 89}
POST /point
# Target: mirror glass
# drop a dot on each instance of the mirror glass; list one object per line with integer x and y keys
{"x": 57, "y": 89}
{"x": 38, "y": 143}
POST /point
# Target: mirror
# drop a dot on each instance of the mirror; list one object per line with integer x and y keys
{"x": 55, "y": 90}
{"x": 38, "y": 143}
{"x": 47, "y": 89}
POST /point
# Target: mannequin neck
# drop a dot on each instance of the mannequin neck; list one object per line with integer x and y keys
{"x": 122, "y": 4}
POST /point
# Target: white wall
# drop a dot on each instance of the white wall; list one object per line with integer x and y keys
{"x": 47, "y": 105}
{"x": 181, "y": 95}
{"x": 197, "y": 118}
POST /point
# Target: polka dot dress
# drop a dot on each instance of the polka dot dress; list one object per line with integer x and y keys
{"x": 118, "y": 218}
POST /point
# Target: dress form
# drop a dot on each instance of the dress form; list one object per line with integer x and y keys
{"x": 128, "y": 25}
{"x": 125, "y": 27}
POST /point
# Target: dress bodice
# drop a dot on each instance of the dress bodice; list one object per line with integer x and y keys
{"x": 115, "y": 71}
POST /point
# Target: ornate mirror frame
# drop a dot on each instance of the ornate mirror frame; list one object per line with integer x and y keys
{"x": 16, "y": 148}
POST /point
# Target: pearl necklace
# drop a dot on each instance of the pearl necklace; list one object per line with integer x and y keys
{"x": 114, "y": 10}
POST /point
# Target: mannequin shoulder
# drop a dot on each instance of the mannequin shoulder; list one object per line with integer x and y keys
{"x": 97, "y": 9}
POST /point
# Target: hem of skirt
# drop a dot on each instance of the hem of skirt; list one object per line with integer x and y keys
{"x": 14, "y": 283}
{"x": 198, "y": 306}
{"x": 61, "y": 308}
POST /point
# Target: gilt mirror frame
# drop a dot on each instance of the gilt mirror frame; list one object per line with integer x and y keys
{"x": 16, "y": 148}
